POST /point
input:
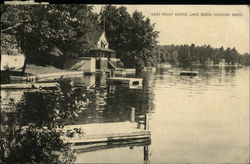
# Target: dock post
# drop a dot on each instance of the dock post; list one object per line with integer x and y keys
{"x": 132, "y": 115}
{"x": 112, "y": 73}
{"x": 146, "y": 126}
{"x": 146, "y": 154}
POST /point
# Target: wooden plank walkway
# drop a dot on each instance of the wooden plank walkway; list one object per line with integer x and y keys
{"x": 29, "y": 85}
{"x": 106, "y": 132}
{"x": 47, "y": 76}
{"x": 54, "y": 76}
{"x": 23, "y": 78}
{"x": 124, "y": 80}
{"x": 122, "y": 71}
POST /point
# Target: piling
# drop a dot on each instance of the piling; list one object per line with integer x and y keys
{"x": 144, "y": 120}
{"x": 132, "y": 115}
{"x": 146, "y": 126}
{"x": 146, "y": 153}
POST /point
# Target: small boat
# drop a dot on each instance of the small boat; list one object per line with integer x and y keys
{"x": 189, "y": 73}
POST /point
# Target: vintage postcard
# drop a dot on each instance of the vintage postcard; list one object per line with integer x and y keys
{"x": 86, "y": 83}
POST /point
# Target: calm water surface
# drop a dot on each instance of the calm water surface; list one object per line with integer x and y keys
{"x": 202, "y": 119}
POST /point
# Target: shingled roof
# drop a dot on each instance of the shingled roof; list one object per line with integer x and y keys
{"x": 96, "y": 36}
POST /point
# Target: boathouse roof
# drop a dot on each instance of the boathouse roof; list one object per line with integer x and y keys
{"x": 96, "y": 36}
{"x": 100, "y": 40}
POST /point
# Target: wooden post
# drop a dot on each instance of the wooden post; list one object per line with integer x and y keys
{"x": 146, "y": 154}
{"x": 111, "y": 73}
{"x": 146, "y": 124}
{"x": 132, "y": 115}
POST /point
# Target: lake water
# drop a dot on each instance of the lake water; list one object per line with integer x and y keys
{"x": 203, "y": 119}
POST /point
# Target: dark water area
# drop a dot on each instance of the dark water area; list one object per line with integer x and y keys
{"x": 202, "y": 119}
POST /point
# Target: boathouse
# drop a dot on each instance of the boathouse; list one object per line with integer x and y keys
{"x": 105, "y": 57}
{"x": 99, "y": 58}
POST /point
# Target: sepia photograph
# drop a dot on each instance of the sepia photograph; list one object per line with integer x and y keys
{"x": 120, "y": 83}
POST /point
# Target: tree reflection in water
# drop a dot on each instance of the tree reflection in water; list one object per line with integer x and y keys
{"x": 30, "y": 133}
{"x": 24, "y": 137}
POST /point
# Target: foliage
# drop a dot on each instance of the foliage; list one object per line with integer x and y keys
{"x": 31, "y": 133}
{"x": 50, "y": 31}
{"x": 39, "y": 145}
{"x": 245, "y": 59}
{"x": 61, "y": 104}
{"x": 132, "y": 36}
{"x": 9, "y": 45}
{"x": 187, "y": 55}
{"x": 48, "y": 34}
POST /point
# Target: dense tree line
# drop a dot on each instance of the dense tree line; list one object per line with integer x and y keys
{"x": 48, "y": 34}
{"x": 245, "y": 59}
{"x": 187, "y": 55}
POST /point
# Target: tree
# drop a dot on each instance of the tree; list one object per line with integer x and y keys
{"x": 132, "y": 36}
{"x": 29, "y": 133}
{"x": 184, "y": 55}
{"x": 245, "y": 59}
{"x": 48, "y": 33}
{"x": 9, "y": 45}
{"x": 144, "y": 36}
{"x": 116, "y": 22}
{"x": 231, "y": 56}
{"x": 193, "y": 54}
{"x": 188, "y": 55}
{"x": 215, "y": 56}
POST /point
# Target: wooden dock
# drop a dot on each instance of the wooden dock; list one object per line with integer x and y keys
{"x": 47, "y": 77}
{"x": 56, "y": 76}
{"x": 29, "y": 86}
{"x": 122, "y": 71}
{"x": 106, "y": 132}
{"x": 124, "y": 80}
{"x": 23, "y": 78}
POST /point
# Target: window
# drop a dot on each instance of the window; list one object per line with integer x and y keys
{"x": 102, "y": 44}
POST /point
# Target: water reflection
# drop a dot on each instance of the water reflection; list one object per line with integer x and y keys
{"x": 25, "y": 113}
{"x": 192, "y": 119}
{"x": 129, "y": 145}
{"x": 206, "y": 117}
{"x": 136, "y": 154}
{"x": 112, "y": 103}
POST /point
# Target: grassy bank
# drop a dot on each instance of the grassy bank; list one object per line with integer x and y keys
{"x": 37, "y": 70}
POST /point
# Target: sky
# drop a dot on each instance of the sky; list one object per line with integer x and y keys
{"x": 187, "y": 24}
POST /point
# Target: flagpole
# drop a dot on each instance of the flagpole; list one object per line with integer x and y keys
{"x": 103, "y": 18}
